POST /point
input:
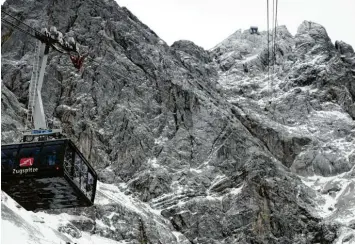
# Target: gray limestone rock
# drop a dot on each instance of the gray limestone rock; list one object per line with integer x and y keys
{"x": 344, "y": 48}
{"x": 195, "y": 149}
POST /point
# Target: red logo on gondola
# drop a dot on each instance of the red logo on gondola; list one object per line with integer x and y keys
{"x": 26, "y": 162}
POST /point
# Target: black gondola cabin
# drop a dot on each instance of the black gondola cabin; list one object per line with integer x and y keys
{"x": 47, "y": 175}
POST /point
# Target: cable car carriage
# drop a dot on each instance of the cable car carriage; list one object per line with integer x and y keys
{"x": 254, "y": 30}
{"x": 46, "y": 170}
{"x": 47, "y": 175}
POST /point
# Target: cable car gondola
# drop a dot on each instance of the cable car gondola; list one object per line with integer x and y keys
{"x": 47, "y": 175}
{"x": 46, "y": 170}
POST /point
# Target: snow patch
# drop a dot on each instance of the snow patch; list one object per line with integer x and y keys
{"x": 247, "y": 59}
{"x": 236, "y": 191}
{"x": 21, "y": 226}
{"x": 212, "y": 198}
{"x": 331, "y": 192}
{"x": 161, "y": 140}
{"x": 153, "y": 162}
{"x": 196, "y": 170}
{"x": 108, "y": 193}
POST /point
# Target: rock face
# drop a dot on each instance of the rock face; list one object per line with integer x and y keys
{"x": 302, "y": 111}
{"x": 208, "y": 153}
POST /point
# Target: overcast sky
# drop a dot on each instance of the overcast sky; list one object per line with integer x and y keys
{"x": 208, "y": 22}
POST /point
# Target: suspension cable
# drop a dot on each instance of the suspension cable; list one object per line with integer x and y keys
{"x": 10, "y": 24}
{"x": 275, "y": 32}
{"x": 268, "y": 43}
{"x": 20, "y": 21}
{"x": 273, "y": 36}
{"x": 17, "y": 27}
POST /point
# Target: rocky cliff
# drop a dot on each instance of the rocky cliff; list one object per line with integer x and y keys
{"x": 189, "y": 147}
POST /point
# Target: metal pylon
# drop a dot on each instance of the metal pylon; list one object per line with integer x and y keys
{"x": 33, "y": 85}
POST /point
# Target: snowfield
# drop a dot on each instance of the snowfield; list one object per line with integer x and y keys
{"x": 21, "y": 226}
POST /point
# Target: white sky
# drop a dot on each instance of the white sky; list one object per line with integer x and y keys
{"x": 208, "y": 22}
